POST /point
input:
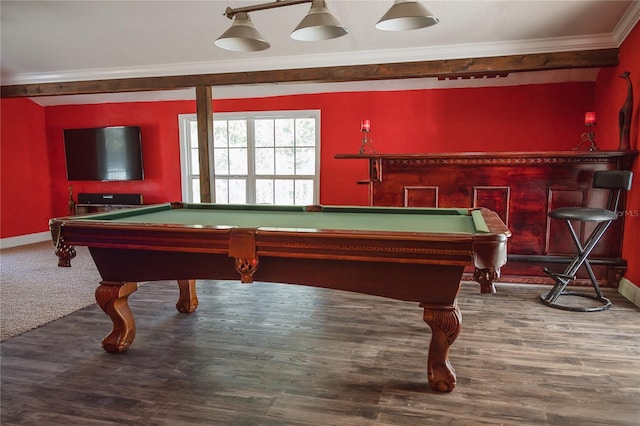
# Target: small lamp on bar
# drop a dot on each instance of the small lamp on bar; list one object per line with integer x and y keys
{"x": 588, "y": 141}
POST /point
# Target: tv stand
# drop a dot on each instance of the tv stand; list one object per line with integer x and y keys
{"x": 101, "y": 202}
{"x": 96, "y": 208}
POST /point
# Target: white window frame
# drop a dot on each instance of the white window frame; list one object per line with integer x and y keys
{"x": 185, "y": 158}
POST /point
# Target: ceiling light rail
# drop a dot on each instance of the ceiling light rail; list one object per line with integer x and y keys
{"x": 231, "y": 13}
{"x": 318, "y": 24}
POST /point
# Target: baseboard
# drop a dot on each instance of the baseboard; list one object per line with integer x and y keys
{"x": 630, "y": 291}
{"x": 23, "y": 240}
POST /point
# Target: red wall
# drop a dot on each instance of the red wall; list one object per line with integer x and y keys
{"x": 160, "y": 147}
{"x": 610, "y": 94}
{"x": 25, "y": 186}
{"x": 521, "y": 118}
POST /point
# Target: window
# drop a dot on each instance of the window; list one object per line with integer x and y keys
{"x": 258, "y": 158}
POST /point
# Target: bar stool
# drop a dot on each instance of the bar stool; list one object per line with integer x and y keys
{"x": 616, "y": 181}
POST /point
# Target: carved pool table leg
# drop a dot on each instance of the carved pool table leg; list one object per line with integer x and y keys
{"x": 65, "y": 253}
{"x": 445, "y": 323}
{"x": 486, "y": 277}
{"x": 112, "y": 298}
{"x": 246, "y": 267}
{"x": 188, "y": 300}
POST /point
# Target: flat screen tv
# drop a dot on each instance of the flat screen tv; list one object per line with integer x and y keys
{"x": 104, "y": 153}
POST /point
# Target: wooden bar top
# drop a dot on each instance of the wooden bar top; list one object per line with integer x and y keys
{"x": 547, "y": 156}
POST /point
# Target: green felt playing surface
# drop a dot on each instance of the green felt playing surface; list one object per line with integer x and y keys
{"x": 335, "y": 218}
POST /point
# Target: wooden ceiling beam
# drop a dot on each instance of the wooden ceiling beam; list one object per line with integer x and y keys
{"x": 451, "y": 68}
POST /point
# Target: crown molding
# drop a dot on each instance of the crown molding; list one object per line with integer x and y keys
{"x": 442, "y": 69}
{"x": 445, "y": 52}
{"x": 627, "y": 23}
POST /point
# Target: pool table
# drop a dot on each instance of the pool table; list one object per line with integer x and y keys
{"x": 410, "y": 254}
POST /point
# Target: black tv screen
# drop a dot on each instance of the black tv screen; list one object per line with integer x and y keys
{"x": 105, "y": 153}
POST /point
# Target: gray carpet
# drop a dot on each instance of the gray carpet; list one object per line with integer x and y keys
{"x": 35, "y": 291}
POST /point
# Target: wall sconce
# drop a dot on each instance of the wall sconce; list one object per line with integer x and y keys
{"x": 588, "y": 141}
{"x": 318, "y": 24}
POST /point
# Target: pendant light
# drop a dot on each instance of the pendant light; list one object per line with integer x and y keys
{"x": 406, "y": 15}
{"x": 242, "y": 36}
{"x": 319, "y": 24}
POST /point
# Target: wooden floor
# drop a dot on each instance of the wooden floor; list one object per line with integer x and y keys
{"x": 268, "y": 354}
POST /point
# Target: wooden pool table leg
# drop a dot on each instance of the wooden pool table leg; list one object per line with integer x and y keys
{"x": 188, "y": 300}
{"x": 445, "y": 322}
{"x": 65, "y": 253}
{"x": 112, "y": 297}
{"x": 486, "y": 277}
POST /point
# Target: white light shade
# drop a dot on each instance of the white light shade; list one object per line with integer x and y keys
{"x": 319, "y": 24}
{"x": 242, "y": 36}
{"x": 406, "y": 15}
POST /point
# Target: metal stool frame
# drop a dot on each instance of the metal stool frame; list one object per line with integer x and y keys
{"x": 616, "y": 181}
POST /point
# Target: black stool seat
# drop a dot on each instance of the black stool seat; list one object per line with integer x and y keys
{"x": 616, "y": 181}
{"x": 583, "y": 214}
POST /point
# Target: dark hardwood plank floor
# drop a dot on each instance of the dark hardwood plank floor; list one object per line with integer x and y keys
{"x": 269, "y": 354}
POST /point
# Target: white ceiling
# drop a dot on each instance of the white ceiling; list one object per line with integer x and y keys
{"x": 53, "y": 41}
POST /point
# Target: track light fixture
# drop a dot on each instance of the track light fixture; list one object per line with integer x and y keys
{"x": 318, "y": 24}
